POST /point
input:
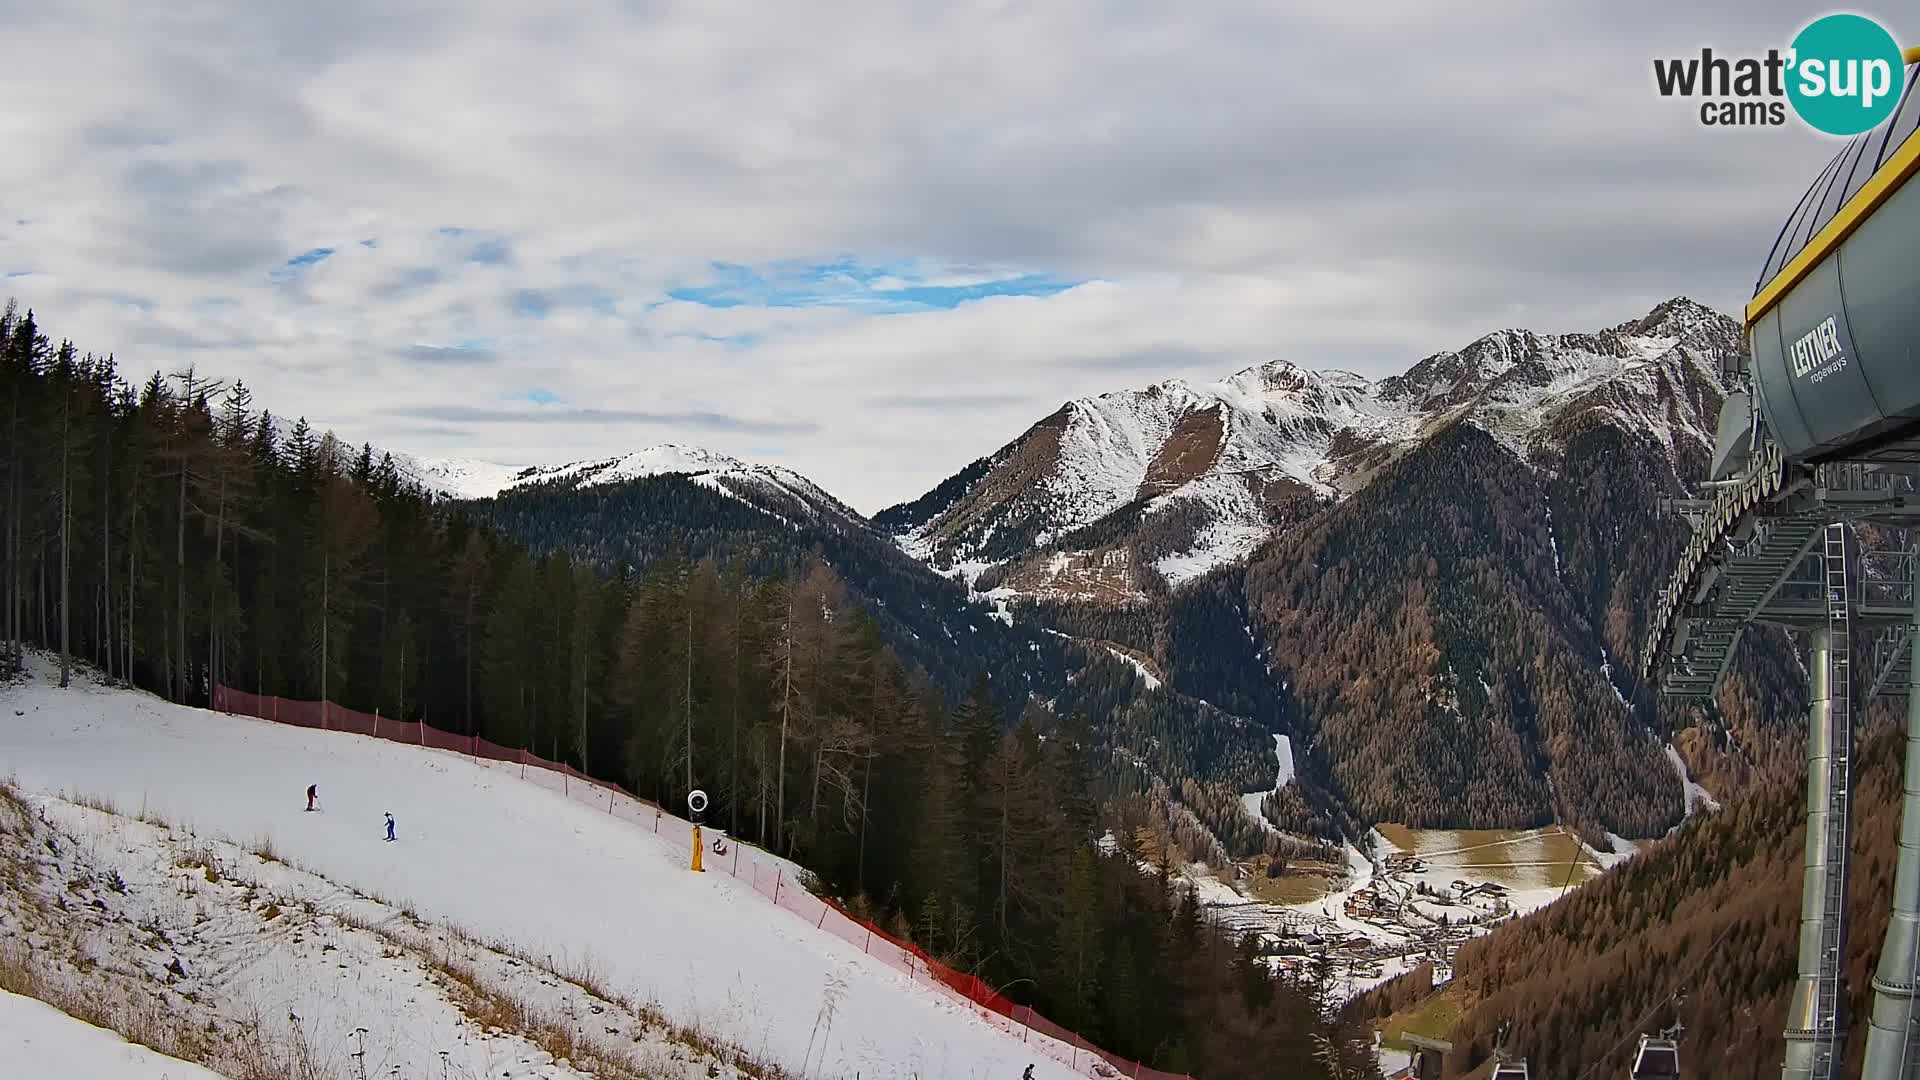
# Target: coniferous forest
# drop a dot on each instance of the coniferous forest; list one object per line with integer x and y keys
{"x": 175, "y": 534}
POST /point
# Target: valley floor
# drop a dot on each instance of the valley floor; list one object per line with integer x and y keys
{"x": 1377, "y": 924}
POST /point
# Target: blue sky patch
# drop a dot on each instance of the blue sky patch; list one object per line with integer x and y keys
{"x": 301, "y": 263}
{"x": 540, "y": 395}
{"x": 493, "y": 251}
{"x": 850, "y": 283}
{"x": 530, "y": 304}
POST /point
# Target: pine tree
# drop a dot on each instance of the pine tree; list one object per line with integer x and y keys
{"x": 230, "y": 484}
{"x": 467, "y": 584}
{"x": 1077, "y": 946}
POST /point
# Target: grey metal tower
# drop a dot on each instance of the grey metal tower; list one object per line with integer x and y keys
{"x": 1817, "y": 1019}
{"x": 1893, "y": 1034}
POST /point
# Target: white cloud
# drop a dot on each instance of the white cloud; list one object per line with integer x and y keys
{"x": 1340, "y": 187}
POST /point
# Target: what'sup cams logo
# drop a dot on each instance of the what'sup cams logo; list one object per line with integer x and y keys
{"x": 1842, "y": 75}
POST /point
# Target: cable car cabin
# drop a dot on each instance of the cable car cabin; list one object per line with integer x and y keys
{"x": 1834, "y": 324}
{"x": 1657, "y": 1059}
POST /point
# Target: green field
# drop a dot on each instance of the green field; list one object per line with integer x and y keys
{"x": 1434, "y": 1018}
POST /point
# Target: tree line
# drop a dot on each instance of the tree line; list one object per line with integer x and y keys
{"x": 177, "y": 538}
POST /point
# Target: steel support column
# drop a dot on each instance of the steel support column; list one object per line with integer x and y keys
{"x": 1816, "y": 1029}
{"x": 1893, "y": 1037}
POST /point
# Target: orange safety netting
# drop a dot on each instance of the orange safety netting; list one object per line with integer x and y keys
{"x": 773, "y": 880}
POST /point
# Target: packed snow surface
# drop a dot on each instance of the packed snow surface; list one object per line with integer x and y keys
{"x": 511, "y": 861}
{"x": 1146, "y": 676}
{"x": 38, "y": 1040}
{"x": 260, "y": 954}
{"x": 1695, "y": 795}
{"x": 1283, "y": 751}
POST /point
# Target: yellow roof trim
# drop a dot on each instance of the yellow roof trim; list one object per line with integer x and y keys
{"x": 1904, "y": 163}
{"x": 1911, "y": 56}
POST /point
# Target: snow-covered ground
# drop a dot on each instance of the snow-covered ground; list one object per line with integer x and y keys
{"x": 267, "y": 955}
{"x": 1283, "y": 751}
{"x": 1146, "y": 676}
{"x": 38, "y": 1040}
{"x": 1220, "y": 545}
{"x": 460, "y": 478}
{"x": 465, "y": 478}
{"x": 511, "y": 862}
{"x": 1695, "y": 795}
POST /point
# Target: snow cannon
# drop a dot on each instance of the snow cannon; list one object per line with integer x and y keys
{"x": 697, "y": 809}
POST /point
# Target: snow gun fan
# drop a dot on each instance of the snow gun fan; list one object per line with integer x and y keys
{"x": 697, "y": 810}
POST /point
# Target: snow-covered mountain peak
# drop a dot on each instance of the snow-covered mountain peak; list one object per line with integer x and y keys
{"x": 1677, "y": 318}
{"x": 464, "y": 478}
{"x": 459, "y": 478}
{"x": 1215, "y": 465}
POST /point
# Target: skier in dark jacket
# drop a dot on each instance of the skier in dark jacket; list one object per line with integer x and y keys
{"x": 389, "y": 826}
{"x": 313, "y": 792}
{"x": 1028, "y": 1075}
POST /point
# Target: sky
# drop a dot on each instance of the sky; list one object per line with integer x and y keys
{"x": 868, "y": 241}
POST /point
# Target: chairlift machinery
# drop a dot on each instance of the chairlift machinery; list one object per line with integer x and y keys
{"x": 1818, "y": 436}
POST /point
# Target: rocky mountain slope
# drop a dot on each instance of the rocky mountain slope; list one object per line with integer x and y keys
{"x": 1127, "y": 493}
{"x": 1444, "y": 618}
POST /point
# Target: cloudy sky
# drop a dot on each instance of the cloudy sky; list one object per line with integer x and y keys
{"x": 870, "y": 241}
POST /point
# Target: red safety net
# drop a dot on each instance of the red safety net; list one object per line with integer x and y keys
{"x": 767, "y": 875}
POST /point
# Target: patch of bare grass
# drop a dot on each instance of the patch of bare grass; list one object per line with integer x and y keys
{"x": 201, "y": 857}
{"x": 94, "y": 802}
{"x": 263, "y": 849}
{"x": 150, "y": 1021}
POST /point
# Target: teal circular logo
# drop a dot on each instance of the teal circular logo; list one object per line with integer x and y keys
{"x": 1845, "y": 74}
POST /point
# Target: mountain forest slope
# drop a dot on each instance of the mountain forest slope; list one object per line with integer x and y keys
{"x": 1701, "y": 927}
{"x": 1244, "y": 548}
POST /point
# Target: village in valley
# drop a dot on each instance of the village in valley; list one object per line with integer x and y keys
{"x": 1411, "y": 899}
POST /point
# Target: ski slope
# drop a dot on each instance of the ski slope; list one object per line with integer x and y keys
{"x": 39, "y": 1040}
{"x": 508, "y": 860}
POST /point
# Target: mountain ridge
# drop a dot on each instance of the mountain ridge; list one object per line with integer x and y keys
{"x": 1172, "y": 480}
{"x": 1245, "y": 541}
